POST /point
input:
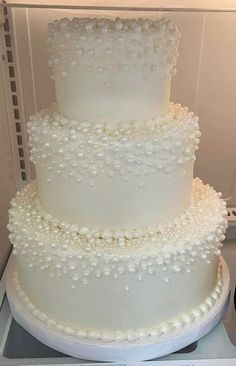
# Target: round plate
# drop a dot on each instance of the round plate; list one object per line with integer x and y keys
{"x": 140, "y": 350}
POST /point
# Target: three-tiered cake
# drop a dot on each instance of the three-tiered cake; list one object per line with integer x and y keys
{"x": 115, "y": 241}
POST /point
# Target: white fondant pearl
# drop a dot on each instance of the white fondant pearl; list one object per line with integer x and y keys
{"x": 74, "y": 63}
{"x": 51, "y": 323}
{"x": 84, "y": 231}
{"x": 43, "y": 317}
{"x": 204, "y": 308}
{"x": 81, "y": 333}
{"x": 69, "y": 331}
{"x": 93, "y": 334}
{"x": 187, "y": 319}
{"x": 155, "y": 332}
{"x": 25, "y": 300}
{"x": 107, "y": 336}
{"x": 30, "y": 306}
{"x": 59, "y": 327}
{"x": 35, "y": 312}
{"x": 142, "y": 333}
{"x": 64, "y": 73}
{"x": 196, "y": 313}
{"x": 131, "y": 336}
{"x": 177, "y": 323}
{"x": 165, "y": 328}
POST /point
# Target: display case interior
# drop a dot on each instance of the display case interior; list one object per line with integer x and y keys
{"x": 203, "y": 83}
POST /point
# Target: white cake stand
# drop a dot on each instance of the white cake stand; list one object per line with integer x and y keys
{"x": 140, "y": 350}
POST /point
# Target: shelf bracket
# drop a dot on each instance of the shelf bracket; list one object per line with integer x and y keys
{"x": 2, "y": 20}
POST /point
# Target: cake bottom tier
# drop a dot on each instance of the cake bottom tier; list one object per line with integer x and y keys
{"x": 119, "y": 288}
{"x": 128, "y": 309}
{"x": 109, "y": 348}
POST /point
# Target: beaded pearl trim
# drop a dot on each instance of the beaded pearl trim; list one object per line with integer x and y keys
{"x": 106, "y": 45}
{"x": 160, "y": 330}
{"x": 82, "y": 151}
{"x": 82, "y": 253}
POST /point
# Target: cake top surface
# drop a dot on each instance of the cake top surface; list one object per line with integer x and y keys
{"x": 101, "y": 26}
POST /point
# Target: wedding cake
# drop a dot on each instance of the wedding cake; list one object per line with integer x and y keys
{"x": 114, "y": 240}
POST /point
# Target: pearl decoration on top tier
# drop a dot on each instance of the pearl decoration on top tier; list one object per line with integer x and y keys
{"x": 63, "y": 249}
{"x": 119, "y": 45}
{"x": 81, "y": 150}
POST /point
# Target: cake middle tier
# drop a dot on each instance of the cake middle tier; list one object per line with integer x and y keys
{"x": 135, "y": 175}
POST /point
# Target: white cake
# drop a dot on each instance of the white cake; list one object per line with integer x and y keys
{"x": 115, "y": 240}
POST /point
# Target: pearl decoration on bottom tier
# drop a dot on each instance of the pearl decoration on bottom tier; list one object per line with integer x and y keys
{"x": 159, "y": 330}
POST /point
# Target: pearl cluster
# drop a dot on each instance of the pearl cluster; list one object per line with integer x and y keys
{"x": 104, "y": 45}
{"x": 83, "y": 150}
{"x": 82, "y": 253}
{"x": 167, "y": 327}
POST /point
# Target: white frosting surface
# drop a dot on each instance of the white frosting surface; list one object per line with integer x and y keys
{"x": 116, "y": 70}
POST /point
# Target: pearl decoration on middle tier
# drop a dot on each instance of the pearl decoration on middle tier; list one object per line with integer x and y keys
{"x": 83, "y": 151}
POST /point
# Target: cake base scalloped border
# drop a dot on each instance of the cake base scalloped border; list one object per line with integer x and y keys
{"x": 98, "y": 350}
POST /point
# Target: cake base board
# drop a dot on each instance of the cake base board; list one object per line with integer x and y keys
{"x": 140, "y": 350}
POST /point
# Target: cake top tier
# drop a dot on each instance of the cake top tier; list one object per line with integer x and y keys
{"x": 114, "y": 69}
